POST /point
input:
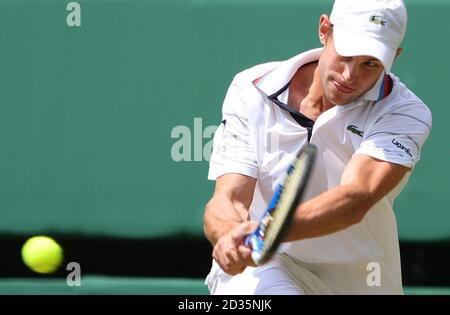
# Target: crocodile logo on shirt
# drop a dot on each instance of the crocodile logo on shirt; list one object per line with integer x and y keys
{"x": 355, "y": 130}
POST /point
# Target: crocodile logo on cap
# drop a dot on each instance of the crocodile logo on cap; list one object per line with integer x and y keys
{"x": 377, "y": 20}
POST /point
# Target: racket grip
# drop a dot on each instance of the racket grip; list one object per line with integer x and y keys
{"x": 248, "y": 240}
{"x": 254, "y": 240}
{"x": 255, "y": 243}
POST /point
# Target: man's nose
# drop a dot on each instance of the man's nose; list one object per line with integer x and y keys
{"x": 350, "y": 72}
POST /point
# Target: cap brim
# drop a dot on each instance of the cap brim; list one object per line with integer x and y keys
{"x": 349, "y": 44}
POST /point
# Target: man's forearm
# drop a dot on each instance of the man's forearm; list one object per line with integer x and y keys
{"x": 364, "y": 182}
{"x": 330, "y": 212}
{"x": 221, "y": 215}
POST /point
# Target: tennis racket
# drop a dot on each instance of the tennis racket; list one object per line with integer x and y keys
{"x": 276, "y": 219}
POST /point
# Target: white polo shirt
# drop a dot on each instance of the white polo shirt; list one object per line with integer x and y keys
{"x": 258, "y": 138}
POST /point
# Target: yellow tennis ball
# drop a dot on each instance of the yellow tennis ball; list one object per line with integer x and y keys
{"x": 42, "y": 254}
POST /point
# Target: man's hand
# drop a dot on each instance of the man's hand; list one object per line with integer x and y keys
{"x": 230, "y": 252}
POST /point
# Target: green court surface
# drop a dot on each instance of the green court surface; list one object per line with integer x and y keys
{"x": 136, "y": 286}
{"x": 105, "y": 285}
{"x": 427, "y": 290}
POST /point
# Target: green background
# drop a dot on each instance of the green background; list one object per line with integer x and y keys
{"x": 86, "y": 113}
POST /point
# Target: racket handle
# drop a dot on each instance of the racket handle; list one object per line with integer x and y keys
{"x": 255, "y": 243}
{"x": 248, "y": 240}
{"x": 268, "y": 212}
{"x": 255, "y": 240}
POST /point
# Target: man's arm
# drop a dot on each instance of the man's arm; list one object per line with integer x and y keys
{"x": 226, "y": 221}
{"x": 229, "y": 205}
{"x": 364, "y": 182}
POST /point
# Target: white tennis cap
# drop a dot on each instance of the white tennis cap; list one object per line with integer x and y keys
{"x": 369, "y": 27}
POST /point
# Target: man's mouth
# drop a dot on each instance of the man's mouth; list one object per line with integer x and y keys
{"x": 343, "y": 88}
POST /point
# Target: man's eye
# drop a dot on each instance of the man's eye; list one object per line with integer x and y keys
{"x": 371, "y": 64}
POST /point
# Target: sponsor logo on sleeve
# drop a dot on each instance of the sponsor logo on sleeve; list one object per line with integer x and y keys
{"x": 401, "y": 146}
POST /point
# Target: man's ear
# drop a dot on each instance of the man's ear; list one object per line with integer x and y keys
{"x": 399, "y": 51}
{"x": 324, "y": 27}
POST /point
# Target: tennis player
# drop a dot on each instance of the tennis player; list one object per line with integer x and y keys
{"x": 369, "y": 129}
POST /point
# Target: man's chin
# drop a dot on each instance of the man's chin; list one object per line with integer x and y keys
{"x": 339, "y": 100}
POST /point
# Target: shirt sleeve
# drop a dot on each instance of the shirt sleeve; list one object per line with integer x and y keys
{"x": 398, "y": 136}
{"x": 233, "y": 150}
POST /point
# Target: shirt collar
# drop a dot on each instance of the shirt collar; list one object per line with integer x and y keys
{"x": 277, "y": 78}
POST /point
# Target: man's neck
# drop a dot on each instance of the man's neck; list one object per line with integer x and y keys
{"x": 306, "y": 93}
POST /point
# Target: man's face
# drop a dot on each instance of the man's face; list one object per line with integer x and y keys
{"x": 344, "y": 79}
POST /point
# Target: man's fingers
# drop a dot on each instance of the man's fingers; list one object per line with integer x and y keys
{"x": 230, "y": 263}
{"x": 230, "y": 252}
{"x": 241, "y": 231}
{"x": 245, "y": 254}
{"x": 227, "y": 256}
